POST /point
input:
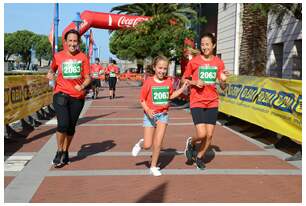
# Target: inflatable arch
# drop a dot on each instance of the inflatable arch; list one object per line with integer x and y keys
{"x": 113, "y": 22}
{"x": 104, "y": 21}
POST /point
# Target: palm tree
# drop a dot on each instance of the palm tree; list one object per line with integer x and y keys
{"x": 182, "y": 13}
{"x": 252, "y": 60}
{"x": 162, "y": 14}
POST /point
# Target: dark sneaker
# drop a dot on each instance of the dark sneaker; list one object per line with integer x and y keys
{"x": 65, "y": 158}
{"x": 57, "y": 159}
{"x": 199, "y": 163}
{"x": 189, "y": 150}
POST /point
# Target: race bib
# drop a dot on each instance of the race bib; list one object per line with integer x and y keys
{"x": 71, "y": 69}
{"x": 112, "y": 74}
{"x": 160, "y": 95}
{"x": 208, "y": 74}
{"x": 95, "y": 74}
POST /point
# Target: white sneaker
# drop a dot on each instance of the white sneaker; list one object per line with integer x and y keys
{"x": 137, "y": 147}
{"x": 155, "y": 171}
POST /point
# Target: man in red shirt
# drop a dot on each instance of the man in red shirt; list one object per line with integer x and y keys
{"x": 113, "y": 71}
{"x": 95, "y": 73}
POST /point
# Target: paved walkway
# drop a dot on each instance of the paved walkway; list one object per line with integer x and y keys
{"x": 239, "y": 169}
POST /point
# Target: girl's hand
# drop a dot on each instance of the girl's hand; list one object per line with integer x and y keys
{"x": 78, "y": 87}
{"x": 150, "y": 112}
{"x": 199, "y": 83}
{"x": 50, "y": 75}
{"x": 225, "y": 74}
{"x": 185, "y": 85}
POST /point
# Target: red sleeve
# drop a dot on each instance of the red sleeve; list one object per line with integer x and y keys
{"x": 188, "y": 71}
{"x": 144, "y": 91}
{"x": 54, "y": 65}
{"x": 220, "y": 69}
{"x": 117, "y": 70}
{"x": 86, "y": 66}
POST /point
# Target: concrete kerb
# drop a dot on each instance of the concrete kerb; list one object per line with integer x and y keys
{"x": 25, "y": 184}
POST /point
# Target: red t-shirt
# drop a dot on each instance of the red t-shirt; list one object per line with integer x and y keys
{"x": 96, "y": 70}
{"x": 112, "y": 70}
{"x": 156, "y": 95}
{"x": 72, "y": 70}
{"x": 208, "y": 71}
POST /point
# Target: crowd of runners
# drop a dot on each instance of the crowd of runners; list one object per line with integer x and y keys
{"x": 74, "y": 76}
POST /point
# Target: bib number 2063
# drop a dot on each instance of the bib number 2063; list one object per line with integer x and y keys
{"x": 160, "y": 95}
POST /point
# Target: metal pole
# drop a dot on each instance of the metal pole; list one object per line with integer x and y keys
{"x": 56, "y": 21}
{"x": 86, "y": 46}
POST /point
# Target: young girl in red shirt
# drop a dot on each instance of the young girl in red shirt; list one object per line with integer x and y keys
{"x": 155, "y": 95}
{"x": 203, "y": 70}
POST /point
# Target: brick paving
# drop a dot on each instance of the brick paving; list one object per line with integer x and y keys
{"x": 239, "y": 169}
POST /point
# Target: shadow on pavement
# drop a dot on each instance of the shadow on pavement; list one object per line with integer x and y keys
{"x": 166, "y": 156}
{"x": 155, "y": 195}
{"x": 15, "y": 143}
{"x": 93, "y": 148}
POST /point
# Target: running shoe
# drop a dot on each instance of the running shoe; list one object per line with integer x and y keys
{"x": 137, "y": 147}
{"x": 155, "y": 171}
{"x": 189, "y": 150}
{"x": 57, "y": 159}
{"x": 199, "y": 163}
{"x": 65, "y": 158}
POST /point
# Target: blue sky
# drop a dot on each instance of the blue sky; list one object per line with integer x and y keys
{"x": 37, "y": 18}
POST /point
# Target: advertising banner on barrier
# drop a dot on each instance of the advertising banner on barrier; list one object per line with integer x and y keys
{"x": 24, "y": 95}
{"x": 272, "y": 103}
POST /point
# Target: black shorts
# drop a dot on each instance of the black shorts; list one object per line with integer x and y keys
{"x": 68, "y": 110}
{"x": 204, "y": 115}
{"x": 112, "y": 83}
{"x": 95, "y": 83}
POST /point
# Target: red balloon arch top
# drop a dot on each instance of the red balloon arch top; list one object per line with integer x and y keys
{"x": 113, "y": 22}
{"x": 105, "y": 21}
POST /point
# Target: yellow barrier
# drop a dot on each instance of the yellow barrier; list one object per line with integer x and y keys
{"x": 24, "y": 95}
{"x": 272, "y": 103}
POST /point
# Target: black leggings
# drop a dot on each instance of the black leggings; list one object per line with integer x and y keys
{"x": 112, "y": 83}
{"x": 68, "y": 110}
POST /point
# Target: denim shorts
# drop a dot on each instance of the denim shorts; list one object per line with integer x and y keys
{"x": 151, "y": 122}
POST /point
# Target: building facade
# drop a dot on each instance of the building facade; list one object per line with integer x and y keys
{"x": 284, "y": 47}
{"x": 284, "y": 42}
{"x": 229, "y": 35}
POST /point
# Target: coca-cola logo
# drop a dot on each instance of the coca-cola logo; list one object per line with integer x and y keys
{"x": 130, "y": 22}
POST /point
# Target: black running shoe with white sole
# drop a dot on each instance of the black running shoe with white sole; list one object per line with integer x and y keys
{"x": 65, "y": 158}
{"x": 189, "y": 150}
{"x": 57, "y": 159}
{"x": 199, "y": 163}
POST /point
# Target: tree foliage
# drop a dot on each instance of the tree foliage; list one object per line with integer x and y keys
{"x": 21, "y": 43}
{"x": 149, "y": 39}
{"x": 163, "y": 34}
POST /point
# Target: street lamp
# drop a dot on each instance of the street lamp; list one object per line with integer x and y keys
{"x": 86, "y": 35}
{"x": 77, "y": 21}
